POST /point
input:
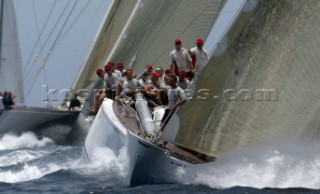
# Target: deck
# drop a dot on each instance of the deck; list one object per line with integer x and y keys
{"x": 129, "y": 118}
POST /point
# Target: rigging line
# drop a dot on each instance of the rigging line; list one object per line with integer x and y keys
{"x": 31, "y": 77}
{"x": 53, "y": 46}
{"x": 77, "y": 17}
{"x": 49, "y": 52}
{"x": 180, "y": 35}
{"x": 60, "y": 32}
{"x": 88, "y": 28}
{"x": 39, "y": 40}
{"x": 51, "y": 32}
{"x": 42, "y": 30}
{"x": 165, "y": 22}
{"x": 149, "y": 28}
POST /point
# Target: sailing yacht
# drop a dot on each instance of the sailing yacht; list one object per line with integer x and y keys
{"x": 147, "y": 36}
{"x": 22, "y": 118}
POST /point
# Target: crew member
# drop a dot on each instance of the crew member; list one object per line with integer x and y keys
{"x": 180, "y": 60}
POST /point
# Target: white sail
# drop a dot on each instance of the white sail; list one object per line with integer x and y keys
{"x": 156, "y": 24}
{"x": 10, "y": 59}
{"x": 265, "y": 83}
{"x": 115, "y": 19}
{"x": 147, "y": 28}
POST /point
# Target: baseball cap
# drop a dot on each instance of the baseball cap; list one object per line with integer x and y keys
{"x": 148, "y": 66}
{"x": 120, "y": 64}
{"x": 99, "y": 71}
{"x": 111, "y": 63}
{"x": 108, "y": 66}
{"x": 182, "y": 72}
{"x": 156, "y": 74}
{"x": 199, "y": 41}
{"x": 178, "y": 41}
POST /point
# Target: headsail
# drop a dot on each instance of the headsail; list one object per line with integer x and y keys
{"x": 10, "y": 58}
{"x": 156, "y": 24}
{"x": 269, "y": 76}
{"x": 106, "y": 37}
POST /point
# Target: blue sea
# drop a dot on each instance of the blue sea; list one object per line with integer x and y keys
{"x": 32, "y": 165}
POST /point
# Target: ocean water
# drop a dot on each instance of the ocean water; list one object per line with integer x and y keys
{"x": 32, "y": 165}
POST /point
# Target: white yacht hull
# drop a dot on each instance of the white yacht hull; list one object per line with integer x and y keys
{"x": 147, "y": 162}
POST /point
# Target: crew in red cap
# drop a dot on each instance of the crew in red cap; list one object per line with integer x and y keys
{"x": 199, "y": 41}
{"x": 155, "y": 80}
{"x": 120, "y": 67}
{"x": 183, "y": 83}
{"x": 149, "y": 69}
{"x": 107, "y": 67}
{"x": 178, "y": 41}
{"x": 168, "y": 71}
{"x": 111, "y": 81}
{"x": 120, "y": 64}
{"x": 166, "y": 77}
{"x": 180, "y": 59}
{"x": 198, "y": 55}
{"x": 100, "y": 73}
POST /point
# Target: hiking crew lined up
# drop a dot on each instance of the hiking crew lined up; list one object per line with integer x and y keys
{"x": 158, "y": 88}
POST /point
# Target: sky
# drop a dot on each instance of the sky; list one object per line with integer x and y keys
{"x": 64, "y": 41}
{"x": 57, "y": 35}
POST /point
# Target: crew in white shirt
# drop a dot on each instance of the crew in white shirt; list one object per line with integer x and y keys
{"x": 119, "y": 70}
{"x": 131, "y": 85}
{"x": 111, "y": 80}
{"x": 198, "y": 55}
{"x": 176, "y": 97}
{"x": 183, "y": 83}
{"x": 180, "y": 60}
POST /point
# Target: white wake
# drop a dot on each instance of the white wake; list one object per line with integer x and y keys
{"x": 259, "y": 167}
{"x": 26, "y": 140}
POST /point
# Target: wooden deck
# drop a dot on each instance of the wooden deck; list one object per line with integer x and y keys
{"x": 129, "y": 118}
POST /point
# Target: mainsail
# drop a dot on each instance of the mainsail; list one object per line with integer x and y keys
{"x": 149, "y": 37}
{"x": 144, "y": 30}
{"x": 10, "y": 59}
{"x": 264, "y": 89}
{"x": 115, "y": 20}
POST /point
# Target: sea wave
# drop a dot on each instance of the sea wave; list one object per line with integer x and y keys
{"x": 106, "y": 165}
{"x": 20, "y": 156}
{"x": 284, "y": 166}
{"x": 25, "y": 140}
